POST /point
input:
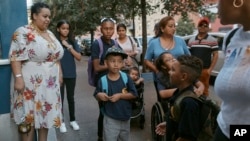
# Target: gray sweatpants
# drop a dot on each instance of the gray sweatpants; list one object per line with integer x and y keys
{"x": 116, "y": 130}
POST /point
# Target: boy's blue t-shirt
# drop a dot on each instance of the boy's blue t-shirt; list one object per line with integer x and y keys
{"x": 68, "y": 62}
{"x": 155, "y": 49}
{"x": 122, "y": 109}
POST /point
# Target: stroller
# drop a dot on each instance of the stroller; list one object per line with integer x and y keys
{"x": 138, "y": 110}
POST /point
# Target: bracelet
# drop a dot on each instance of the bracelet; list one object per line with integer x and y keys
{"x": 69, "y": 48}
{"x": 18, "y": 75}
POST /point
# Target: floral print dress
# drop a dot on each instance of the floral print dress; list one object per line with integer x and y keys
{"x": 40, "y": 103}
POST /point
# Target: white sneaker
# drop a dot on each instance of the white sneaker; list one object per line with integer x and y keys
{"x": 74, "y": 125}
{"x": 63, "y": 128}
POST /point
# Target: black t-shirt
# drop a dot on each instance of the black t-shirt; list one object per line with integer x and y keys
{"x": 95, "y": 52}
{"x": 188, "y": 127}
{"x": 121, "y": 109}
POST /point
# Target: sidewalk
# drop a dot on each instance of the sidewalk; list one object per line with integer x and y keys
{"x": 87, "y": 110}
{"x": 52, "y": 135}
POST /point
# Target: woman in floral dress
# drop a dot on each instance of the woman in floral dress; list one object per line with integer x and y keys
{"x": 34, "y": 54}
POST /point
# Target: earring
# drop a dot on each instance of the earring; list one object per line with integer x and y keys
{"x": 237, "y": 6}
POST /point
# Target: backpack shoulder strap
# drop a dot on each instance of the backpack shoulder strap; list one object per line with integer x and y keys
{"x": 100, "y": 46}
{"x": 230, "y": 35}
{"x": 124, "y": 77}
{"x": 176, "y": 108}
{"x": 131, "y": 43}
{"x": 130, "y": 40}
{"x": 104, "y": 82}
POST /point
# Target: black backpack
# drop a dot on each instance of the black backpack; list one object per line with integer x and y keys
{"x": 209, "y": 111}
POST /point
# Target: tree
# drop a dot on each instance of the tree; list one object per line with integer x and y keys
{"x": 185, "y": 27}
{"x": 75, "y": 12}
{"x": 183, "y": 7}
{"x": 85, "y": 15}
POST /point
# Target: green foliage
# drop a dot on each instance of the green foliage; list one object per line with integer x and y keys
{"x": 185, "y": 27}
{"x": 85, "y": 15}
{"x": 82, "y": 16}
{"x": 183, "y": 7}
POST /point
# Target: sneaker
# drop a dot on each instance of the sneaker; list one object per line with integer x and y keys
{"x": 74, "y": 125}
{"x": 63, "y": 128}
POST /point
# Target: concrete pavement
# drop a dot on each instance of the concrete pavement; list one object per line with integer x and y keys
{"x": 87, "y": 111}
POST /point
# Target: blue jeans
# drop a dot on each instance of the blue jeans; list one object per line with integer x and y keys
{"x": 116, "y": 130}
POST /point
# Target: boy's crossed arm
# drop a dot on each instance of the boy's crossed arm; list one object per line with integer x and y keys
{"x": 101, "y": 96}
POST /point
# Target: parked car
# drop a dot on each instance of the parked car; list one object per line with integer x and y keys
{"x": 219, "y": 36}
{"x": 81, "y": 49}
{"x": 86, "y": 46}
{"x": 139, "y": 38}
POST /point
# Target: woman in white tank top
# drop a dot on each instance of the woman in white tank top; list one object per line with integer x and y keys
{"x": 126, "y": 43}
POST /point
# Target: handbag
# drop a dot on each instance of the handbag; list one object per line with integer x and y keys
{"x": 24, "y": 127}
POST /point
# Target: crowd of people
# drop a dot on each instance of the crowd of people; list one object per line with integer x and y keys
{"x": 43, "y": 65}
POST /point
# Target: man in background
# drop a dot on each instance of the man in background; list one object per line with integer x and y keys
{"x": 205, "y": 47}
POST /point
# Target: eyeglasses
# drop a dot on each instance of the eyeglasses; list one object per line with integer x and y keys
{"x": 203, "y": 25}
{"x": 107, "y": 19}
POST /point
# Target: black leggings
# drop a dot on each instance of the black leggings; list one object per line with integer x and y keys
{"x": 100, "y": 121}
{"x": 70, "y": 88}
{"x": 219, "y": 136}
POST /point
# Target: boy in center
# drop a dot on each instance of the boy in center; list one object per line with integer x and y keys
{"x": 184, "y": 71}
{"x": 116, "y": 90}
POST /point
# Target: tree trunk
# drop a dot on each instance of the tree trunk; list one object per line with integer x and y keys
{"x": 133, "y": 30}
{"x": 144, "y": 32}
{"x": 92, "y": 35}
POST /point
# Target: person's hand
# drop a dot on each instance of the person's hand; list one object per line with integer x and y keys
{"x": 128, "y": 61}
{"x": 199, "y": 88}
{"x": 161, "y": 129}
{"x": 136, "y": 52}
{"x": 209, "y": 71}
{"x": 19, "y": 85}
{"x": 198, "y": 91}
{"x": 65, "y": 43}
{"x": 102, "y": 96}
{"x": 115, "y": 97}
{"x": 60, "y": 80}
{"x": 141, "y": 79}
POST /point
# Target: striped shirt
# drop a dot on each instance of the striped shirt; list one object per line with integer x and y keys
{"x": 203, "y": 48}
